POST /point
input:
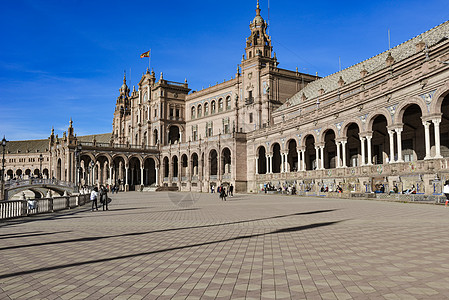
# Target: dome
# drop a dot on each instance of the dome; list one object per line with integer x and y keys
{"x": 258, "y": 20}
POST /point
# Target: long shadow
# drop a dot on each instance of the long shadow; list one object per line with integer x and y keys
{"x": 21, "y": 235}
{"x": 284, "y": 230}
{"x": 29, "y": 232}
{"x": 94, "y": 238}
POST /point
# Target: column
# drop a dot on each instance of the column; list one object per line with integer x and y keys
{"x": 343, "y": 143}
{"x": 157, "y": 176}
{"x": 257, "y": 165}
{"x": 93, "y": 174}
{"x": 141, "y": 175}
{"x": 338, "y": 154}
{"x": 271, "y": 163}
{"x": 436, "y": 125}
{"x": 267, "y": 158}
{"x": 126, "y": 175}
{"x": 370, "y": 158}
{"x": 427, "y": 139}
{"x": 110, "y": 176}
{"x": 282, "y": 162}
{"x": 362, "y": 143}
{"x": 322, "y": 157}
{"x": 391, "y": 138}
{"x": 317, "y": 159}
{"x": 299, "y": 160}
{"x": 303, "y": 160}
{"x": 399, "y": 142}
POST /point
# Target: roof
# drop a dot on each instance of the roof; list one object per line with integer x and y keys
{"x": 42, "y": 146}
{"x": 372, "y": 65}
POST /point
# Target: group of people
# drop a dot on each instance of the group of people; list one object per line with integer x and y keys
{"x": 221, "y": 190}
{"x": 101, "y": 194}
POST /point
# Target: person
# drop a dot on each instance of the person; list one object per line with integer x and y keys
{"x": 413, "y": 190}
{"x": 446, "y": 191}
{"x": 231, "y": 190}
{"x": 93, "y": 198}
{"x": 395, "y": 189}
{"x": 104, "y": 197}
{"x": 32, "y": 204}
{"x": 223, "y": 194}
{"x": 212, "y": 189}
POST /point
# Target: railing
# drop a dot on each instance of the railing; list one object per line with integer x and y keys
{"x": 120, "y": 146}
{"x": 22, "y": 208}
{"x": 37, "y": 181}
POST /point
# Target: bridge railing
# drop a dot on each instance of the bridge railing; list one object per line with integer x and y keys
{"x": 21, "y": 208}
{"x": 37, "y": 181}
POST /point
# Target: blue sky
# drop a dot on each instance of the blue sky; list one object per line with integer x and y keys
{"x": 63, "y": 59}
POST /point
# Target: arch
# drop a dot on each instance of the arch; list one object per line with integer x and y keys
{"x": 380, "y": 142}
{"x": 213, "y": 107}
{"x": 28, "y": 173}
{"x": 308, "y": 135}
{"x": 276, "y": 160}
{"x": 378, "y": 112}
{"x": 330, "y": 149}
{"x": 134, "y": 172}
{"x": 199, "y": 111}
{"x": 184, "y": 166}
{"x": 10, "y": 174}
{"x": 403, "y": 105}
{"x": 347, "y": 124}
{"x": 36, "y": 173}
{"x": 173, "y": 134}
{"x": 412, "y": 137}
{"x": 213, "y": 163}
{"x": 353, "y": 145}
{"x": 194, "y": 165}
{"x": 174, "y": 166}
{"x": 105, "y": 155}
{"x": 262, "y": 160}
{"x": 292, "y": 156}
{"x": 226, "y": 161}
{"x": 45, "y": 173}
{"x": 310, "y": 153}
{"x": 325, "y": 130}
{"x": 220, "y": 104}
{"x": 166, "y": 166}
{"x": 149, "y": 173}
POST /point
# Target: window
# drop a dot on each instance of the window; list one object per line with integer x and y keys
{"x": 171, "y": 113}
{"x": 192, "y": 113}
{"x": 195, "y": 133}
{"x": 212, "y": 107}
{"x": 209, "y": 129}
{"x": 226, "y": 125}
{"x": 228, "y": 102}
{"x": 251, "y": 117}
{"x": 177, "y": 113}
{"x": 199, "y": 110}
{"x": 206, "y": 109}
{"x": 220, "y": 104}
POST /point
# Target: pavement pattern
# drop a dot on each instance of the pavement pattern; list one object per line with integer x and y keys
{"x": 194, "y": 246}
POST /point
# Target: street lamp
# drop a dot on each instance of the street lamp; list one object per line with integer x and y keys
{"x": 3, "y": 167}
{"x": 41, "y": 158}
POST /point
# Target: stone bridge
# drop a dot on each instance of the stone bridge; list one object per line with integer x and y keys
{"x": 38, "y": 186}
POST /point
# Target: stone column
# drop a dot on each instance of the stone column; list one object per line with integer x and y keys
{"x": 317, "y": 159}
{"x": 391, "y": 138}
{"x": 322, "y": 157}
{"x": 399, "y": 142}
{"x": 110, "y": 175}
{"x": 257, "y": 165}
{"x": 427, "y": 138}
{"x": 267, "y": 158}
{"x": 282, "y": 162}
{"x": 303, "y": 160}
{"x": 362, "y": 143}
{"x": 126, "y": 178}
{"x": 271, "y": 163}
{"x": 370, "y": 158}
{"x": 157, "y": 176}
{"x": 343, "y": 143}
{"x": 299, "y": 160}
{"x": 338, "y": 153}
{"x": 436, "y": 125}
{"x": 141, "y": 175}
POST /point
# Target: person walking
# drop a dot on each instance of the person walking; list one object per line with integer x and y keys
{"x": 231, "y": 190}
{"x": 446, "y": 191}
{"x": 223, "y": 193}
{"x": 93, "y": 198}
{"x": 104, "y": 197}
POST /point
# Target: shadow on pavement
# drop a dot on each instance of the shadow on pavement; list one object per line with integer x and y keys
{"x": 22, "y": 235}
{"x": 95, "y": 238}
{"x": 284, "y": 230}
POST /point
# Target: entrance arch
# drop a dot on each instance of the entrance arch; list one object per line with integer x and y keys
{"x": 276, "y": 163}
{"x": 262, "y": 160}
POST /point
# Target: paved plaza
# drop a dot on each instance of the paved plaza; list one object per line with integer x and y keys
{"x": 194, "y": 246}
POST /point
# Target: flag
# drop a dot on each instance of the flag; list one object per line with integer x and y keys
{"x": 145, "y": 54}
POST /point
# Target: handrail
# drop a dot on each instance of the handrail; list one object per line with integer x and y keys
{"x": 22, "y": 208}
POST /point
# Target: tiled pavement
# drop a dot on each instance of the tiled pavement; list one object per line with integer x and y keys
{"x": 249, "y": 247}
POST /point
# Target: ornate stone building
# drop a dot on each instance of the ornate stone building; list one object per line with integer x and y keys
{"x": 382, "y": 122}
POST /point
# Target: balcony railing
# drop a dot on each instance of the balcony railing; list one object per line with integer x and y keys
{"x": 249, "y": 100}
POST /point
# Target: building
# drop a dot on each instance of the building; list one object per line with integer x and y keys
{"x": 383, "y": 122}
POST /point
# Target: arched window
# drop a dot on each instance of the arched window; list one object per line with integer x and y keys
{"x": 199, "y": 110}
{"x": 220, "y": 104}
{"x": 228, "y": 102}
{"x": 192, "y": 113}
{"x": 212, "y": 107}
{"x": 206, "y": 109}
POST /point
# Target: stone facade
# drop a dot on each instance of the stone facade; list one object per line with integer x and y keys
{"x": 381, "y": 123}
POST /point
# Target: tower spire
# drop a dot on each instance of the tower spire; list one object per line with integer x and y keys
{"x": 258, "y": 9}
{"x": 124, "y": 77}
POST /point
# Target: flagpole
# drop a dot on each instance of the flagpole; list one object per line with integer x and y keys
{"x": 149, "y": 61}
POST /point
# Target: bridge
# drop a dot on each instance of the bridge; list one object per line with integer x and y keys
{"x": 38, "y": 186}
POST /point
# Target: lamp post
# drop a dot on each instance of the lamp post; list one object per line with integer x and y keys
{"x": 77, "y": 158}
{"x": 41, "y": 158}
{"x": 3, "y": 168}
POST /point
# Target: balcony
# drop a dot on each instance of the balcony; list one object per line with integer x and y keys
{"x": 249, "y": 100}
